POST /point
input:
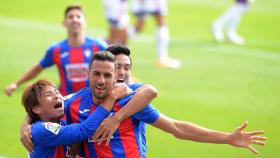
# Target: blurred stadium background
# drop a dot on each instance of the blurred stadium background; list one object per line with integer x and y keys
{"x": 219, "y": 85}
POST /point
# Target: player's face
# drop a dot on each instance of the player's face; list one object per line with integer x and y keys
{"x": 101, "y": 78}
{"x": 123, "y": 66}
{"x": 51, "y": 106}
{"x": 75, "y": 21}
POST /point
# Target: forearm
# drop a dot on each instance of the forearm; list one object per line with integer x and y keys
{"x": 30, "y": 74}
{"x": 27, "y": 120}
{"x": 189, "y": 131}
{"x": 141, "y": 99}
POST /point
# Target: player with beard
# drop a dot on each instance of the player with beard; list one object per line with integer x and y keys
{"x": 45, "y": 105}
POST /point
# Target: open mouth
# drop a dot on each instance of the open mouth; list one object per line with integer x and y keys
{"x": 58, "y": 105}
{"x": 120, "y": 80}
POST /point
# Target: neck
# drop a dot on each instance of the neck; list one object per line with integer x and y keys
{"x": 76, "y": 39}
{"x": 97, "y": 101}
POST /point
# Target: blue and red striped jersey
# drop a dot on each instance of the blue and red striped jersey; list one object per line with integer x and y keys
{"x": 72, "y": 63}
{"x": 129, "y": 139}
{"x": 49, "y": 138}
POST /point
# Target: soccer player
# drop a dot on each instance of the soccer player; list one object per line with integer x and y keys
{"x": 141, "y": 98}
{"x": 158, "y": 9}
{"x": 129, "y": 138}
{"x": 118, "y": 19}
{"x": 229, "y": 22}
{"x": 45, "y": 105}
{"x": 71, "y": 56}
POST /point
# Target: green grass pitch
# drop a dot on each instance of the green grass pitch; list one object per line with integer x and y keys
{"x": 219, "y": 85}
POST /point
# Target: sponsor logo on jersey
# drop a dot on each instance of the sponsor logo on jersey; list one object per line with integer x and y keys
{"x": 77, "y": 72}
{"x": 53, "y": 127}
{"x": 84, "y": 111}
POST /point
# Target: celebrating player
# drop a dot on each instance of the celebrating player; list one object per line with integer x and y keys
{"x": 71, "y": 56}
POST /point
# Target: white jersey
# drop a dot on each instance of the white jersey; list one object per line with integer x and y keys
{"x": 143, "y": 7}
{"x": 116, "y": 12}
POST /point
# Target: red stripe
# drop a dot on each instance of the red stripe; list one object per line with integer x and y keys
{"x": 128, "y": 138}
{"x": 57, "y": 60}
{"x": 59, "y": 152}
{"x": 103, "y": 150}
{"x": 86, "y": 149}
{"x": 74, "y": 110}
{"x": 95, "y": 48}
{"x": 76, "y": 55}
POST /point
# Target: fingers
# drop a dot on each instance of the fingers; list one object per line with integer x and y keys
{"x": 27, "y": 143}
{"x": 104, "y": 137}
{"x": 243, "y": 126}
{"x": 255, "y": 133}
{"x": 252, "y": 149}
{"x": 97, "y": 134}
{"x": 258, "y": 138}
{"x": 258, "y": 142}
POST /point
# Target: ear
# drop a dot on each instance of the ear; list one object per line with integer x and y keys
{"x": 37, "y": 109}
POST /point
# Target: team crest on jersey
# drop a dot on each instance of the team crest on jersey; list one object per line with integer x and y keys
{"x": 87, "y": 53}
{"x": 64, "y": 54}
{"x": 53, "y": 127}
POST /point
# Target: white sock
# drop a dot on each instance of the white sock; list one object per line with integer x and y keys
{"x": 162, "y": 37}
{"x": 225, "y": 18}
{"x": 233, "y": 23}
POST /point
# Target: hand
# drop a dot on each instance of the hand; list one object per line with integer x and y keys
{"x": 25, "y": 137}
{"x": 9, "y": 89}
{"x": 239, "y": 138}
{"x": 120, "y": 90}
{"x": 106, "y": 130}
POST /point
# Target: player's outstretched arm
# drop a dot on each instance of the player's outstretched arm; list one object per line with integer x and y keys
{"x": 30, "y": 74}
{"x": 190, "y": 131}
{"x": 142, "y": 98}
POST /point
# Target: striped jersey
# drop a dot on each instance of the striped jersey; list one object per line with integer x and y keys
{"x": 72, "y": 63}
{"x": 129, "y": 139}
{"x": 50, "y": 139}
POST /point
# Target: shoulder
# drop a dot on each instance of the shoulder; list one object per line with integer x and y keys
{"x": 96, "y": 41}
{"x": 135, "y": 86}
{"x": 56, "y": 45}
{"x": 41, "y": 130}
{"x": 74, "y": 96}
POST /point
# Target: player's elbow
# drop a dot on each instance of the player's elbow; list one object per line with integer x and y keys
{"x": 151, "y": 91}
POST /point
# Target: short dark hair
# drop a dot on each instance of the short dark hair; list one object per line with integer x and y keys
{"x": 102, "y": 56}
{"x": 30, "y": 97}
{"x": 71, "y": 7}
{"x": 117, "y": 49}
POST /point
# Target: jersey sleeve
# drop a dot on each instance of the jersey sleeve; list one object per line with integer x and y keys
{"x": 53, "y": 134}
{"x": 47, "y": 60}
{"x": 101, "y": 44}
{"x": 148, "y": 115}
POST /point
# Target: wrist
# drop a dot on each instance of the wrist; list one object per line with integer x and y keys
{"x": 116, "y": 118}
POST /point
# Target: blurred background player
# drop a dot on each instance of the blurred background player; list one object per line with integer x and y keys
{"x": 117, "y": 17}
{"x": 158, "y": 9}
{"x": 71, "y": 56}
{"x": 229, "y": 22}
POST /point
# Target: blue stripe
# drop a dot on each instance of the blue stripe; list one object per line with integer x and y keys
{"x": 117, "y": 146}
